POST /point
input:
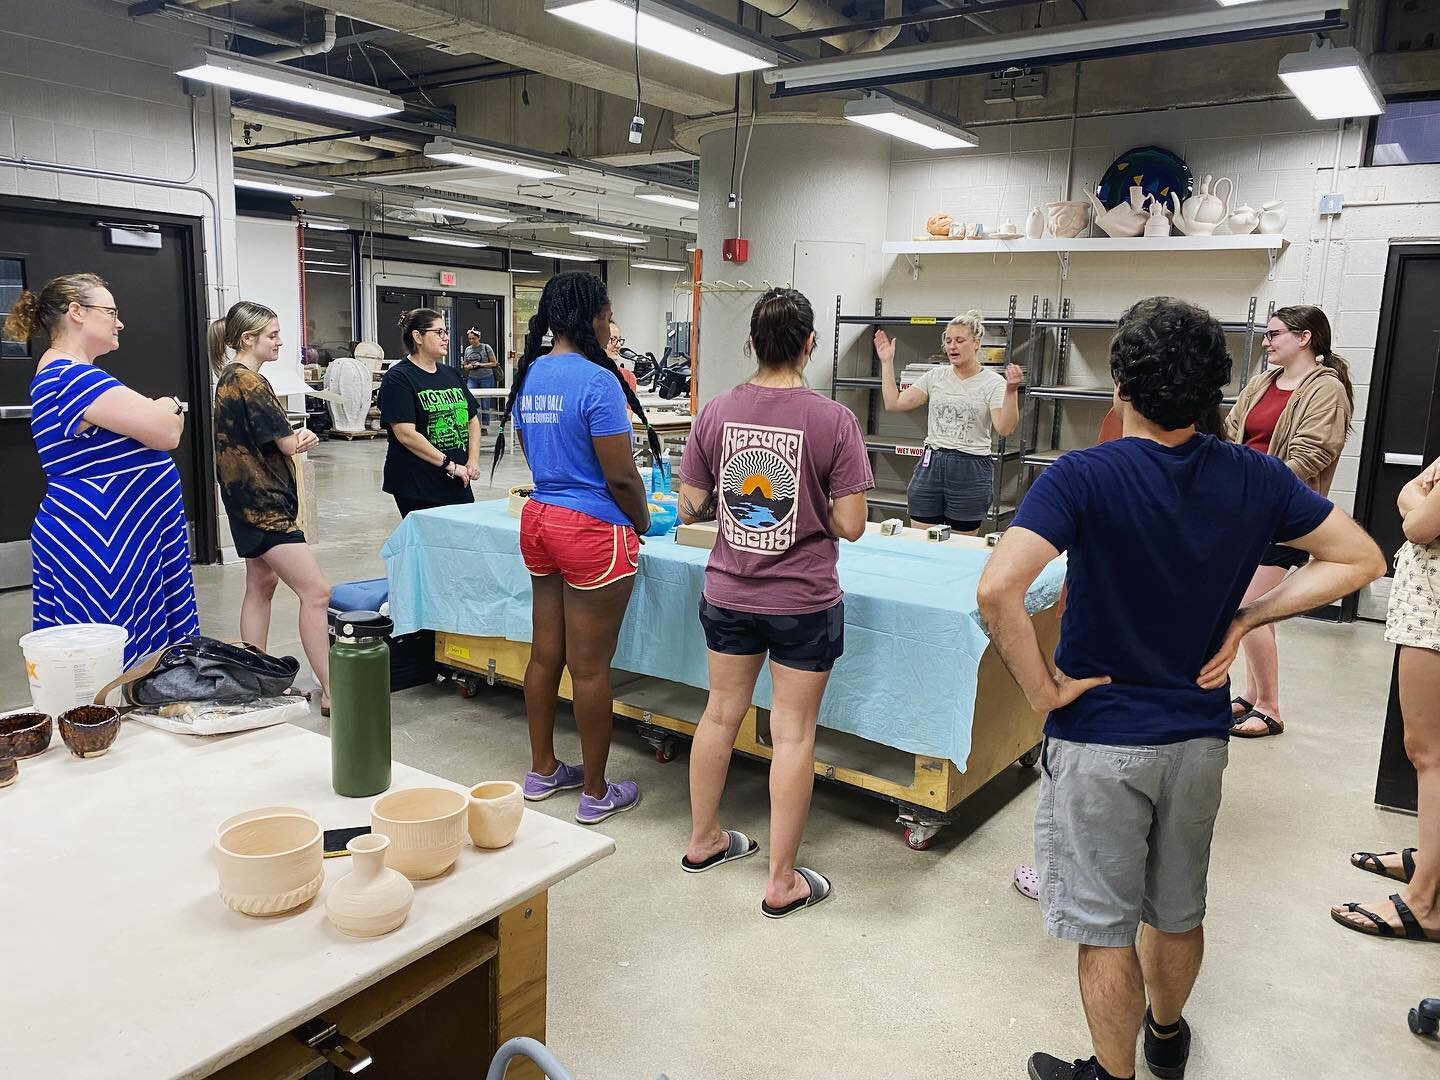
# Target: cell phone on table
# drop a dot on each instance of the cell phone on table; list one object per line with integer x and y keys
{"x": 336, "y": 839}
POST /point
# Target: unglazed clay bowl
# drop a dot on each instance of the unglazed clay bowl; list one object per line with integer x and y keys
{"x": 270, "y": 865}
{"x": 9, "y": 771}
{"x": 89, "y": 730}
{"x": 426, "y": 827}
{"x": 496, "y": 807}
{"x": 259, "y": 812}
{"x": 25, "y": 734}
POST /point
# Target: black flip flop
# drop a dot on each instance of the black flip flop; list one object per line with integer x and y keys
{"x": 1369, "y": 861}
{"x": 1411, "y": 928}
{"x": 1272, "y": 726}
{"x": 820, "y": 889}
{"x": 740, "y": 847}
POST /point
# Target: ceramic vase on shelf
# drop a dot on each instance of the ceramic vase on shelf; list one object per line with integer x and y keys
{"x": 1158, "y": 223}
{"x": 1243, "y": 221}
{"x": 1273, "y": 217}
{"x": 1035, "y": 224}
{"x": 372, "y": 899}
{"x": 1067, "y": 219}
{"x": 496, "y": 808}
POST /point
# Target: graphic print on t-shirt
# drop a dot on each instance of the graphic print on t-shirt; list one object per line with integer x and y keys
{"x": 759, "y": 480}
{"x": 952, "y": 422}
{"x": 447, "y": 423}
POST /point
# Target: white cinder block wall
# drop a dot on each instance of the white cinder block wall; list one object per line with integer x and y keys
{"x": 83, "y": 84}
{"x": 1271, "y": 150}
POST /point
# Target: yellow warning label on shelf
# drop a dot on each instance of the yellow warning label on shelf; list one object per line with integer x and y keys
{"x": 923, "y": 320}
{"x": 457, "y": 652}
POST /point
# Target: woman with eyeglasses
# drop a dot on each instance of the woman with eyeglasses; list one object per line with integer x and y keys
{"x": 1297, "y": 408}
{"x": 109, "y": 542}
{"x": 434, "y": 433}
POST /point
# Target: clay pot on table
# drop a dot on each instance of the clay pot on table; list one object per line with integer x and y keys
{"x": 496, "y": 808}
{"x": 426, "y": 827}
{"x": 90, "y": 730}
{"x": 372, "y": 899}
{"x": 270, "y": 865}
{"x": 259, "y": 812}
{"x": 25, "y": 735}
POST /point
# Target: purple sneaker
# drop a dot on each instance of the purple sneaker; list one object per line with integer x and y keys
{"x": 619, "y": 797}
{"x": 564, "y": 778}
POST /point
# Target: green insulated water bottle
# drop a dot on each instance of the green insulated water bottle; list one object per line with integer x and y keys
{"x": 360, "y": 703}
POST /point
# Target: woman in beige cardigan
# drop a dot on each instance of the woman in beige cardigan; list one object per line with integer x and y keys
{"x": 1298, "y": 408}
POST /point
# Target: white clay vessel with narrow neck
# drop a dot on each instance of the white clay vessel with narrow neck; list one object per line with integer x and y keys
{"x": 372, "y": 899}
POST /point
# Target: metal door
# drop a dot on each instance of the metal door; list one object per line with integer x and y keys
{"x": 1402, "y": 426}
{"x": 484, "y": 313}
{"x": 158, "y": 291}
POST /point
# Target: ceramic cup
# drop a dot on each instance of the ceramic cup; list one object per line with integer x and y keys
{"x": 270, "y": 865}
{"x": 496, "y": 807}
{"x": 426, "y": 827}
{"x": 259, "y": 812}
{"x": 89, "y": 730}
{"x": 9, "y": 771}
{"x": 24, "y": 735}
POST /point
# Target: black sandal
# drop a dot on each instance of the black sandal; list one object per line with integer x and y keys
{"x": 1369, "y": 861}
{"x": 1246, "y": 705}
{"x": 1272, "y": 726}
{"x": 1412, "y": 930}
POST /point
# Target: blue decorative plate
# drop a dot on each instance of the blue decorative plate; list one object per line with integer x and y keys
{"x": 1157, "y": 170}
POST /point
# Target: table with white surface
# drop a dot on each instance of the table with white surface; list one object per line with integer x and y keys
{"x": 122, "y": 961}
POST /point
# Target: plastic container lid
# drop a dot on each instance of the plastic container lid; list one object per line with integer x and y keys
{"x": 77, "y": 636}
{"x": 361, "y": 626}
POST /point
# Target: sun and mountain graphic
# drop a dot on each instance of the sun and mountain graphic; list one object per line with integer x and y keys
{"x": 758, "y": 487}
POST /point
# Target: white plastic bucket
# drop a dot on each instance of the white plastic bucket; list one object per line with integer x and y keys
{"x": 67, "y": 665}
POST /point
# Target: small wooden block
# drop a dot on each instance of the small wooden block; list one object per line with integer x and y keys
{"x": 700, "y": 535}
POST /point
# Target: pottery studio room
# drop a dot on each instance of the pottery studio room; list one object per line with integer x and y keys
{"x": 476, "y": 470}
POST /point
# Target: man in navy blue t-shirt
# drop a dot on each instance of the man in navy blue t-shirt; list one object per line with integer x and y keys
{"x": 1163, "y": 530}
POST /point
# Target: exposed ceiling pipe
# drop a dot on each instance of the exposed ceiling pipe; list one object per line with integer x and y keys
{"x": 314, "y": 48}
{"x": 805, "y": 14}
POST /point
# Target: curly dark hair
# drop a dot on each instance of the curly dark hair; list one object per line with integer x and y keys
{"x": 568, "y": 307}
{"x": 1170, "y": 361}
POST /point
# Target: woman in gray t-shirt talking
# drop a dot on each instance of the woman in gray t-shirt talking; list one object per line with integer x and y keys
{"x": 784, "y": 472}
{"x": 952, "y": 481}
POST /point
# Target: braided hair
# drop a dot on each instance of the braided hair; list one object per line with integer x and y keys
{"x": 568, "y": 308}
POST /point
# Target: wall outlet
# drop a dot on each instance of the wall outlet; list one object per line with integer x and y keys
{"x": 1332, "y": 204}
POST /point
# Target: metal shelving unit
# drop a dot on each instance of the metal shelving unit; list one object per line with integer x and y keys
{"x": 890, "y": 499}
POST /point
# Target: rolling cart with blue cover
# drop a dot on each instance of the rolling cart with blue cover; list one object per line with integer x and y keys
{"x": 412, "y": 656}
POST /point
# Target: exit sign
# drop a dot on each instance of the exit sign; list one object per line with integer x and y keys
{"x": 447, "y": 277}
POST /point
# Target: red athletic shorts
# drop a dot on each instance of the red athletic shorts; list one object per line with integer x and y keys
{"x": 587, "y": 552}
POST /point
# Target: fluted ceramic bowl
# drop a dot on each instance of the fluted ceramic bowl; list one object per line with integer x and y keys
{"x": 270, "y": 865}
{"x": 426, "y": 827}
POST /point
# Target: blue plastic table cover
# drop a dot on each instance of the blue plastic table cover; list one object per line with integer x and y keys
{"x": 913, "y": 638}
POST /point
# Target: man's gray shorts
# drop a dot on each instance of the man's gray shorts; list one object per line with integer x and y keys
{"x": 1122, "y": 836}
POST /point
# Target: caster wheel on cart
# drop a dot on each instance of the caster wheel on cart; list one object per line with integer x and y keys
{"x": 467, "y": 688}
{"x": 918, "y": 837}
{"x": 666, "y": 752}
{"x": 1425, "y": 1020}
{"x": 1030, "y": 758}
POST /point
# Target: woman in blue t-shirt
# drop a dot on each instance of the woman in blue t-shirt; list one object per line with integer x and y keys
{"x": 579, "y": 532}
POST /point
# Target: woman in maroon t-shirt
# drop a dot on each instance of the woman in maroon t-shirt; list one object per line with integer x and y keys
{"x": 783, "y": 472}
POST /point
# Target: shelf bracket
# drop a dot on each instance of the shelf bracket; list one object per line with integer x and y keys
{"x": 1064, "y": 265}
{"x": 1270, "y": 254}
{"x": 914, "y": 262}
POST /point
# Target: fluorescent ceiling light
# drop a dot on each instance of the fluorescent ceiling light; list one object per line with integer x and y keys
{"x": 332, "y": 273}
{"x": 692, "y": 247}
{"x": 282, "y": 187}
{"x": 513, "y": 270}
{"x": 902, "y": 120}
{"x": 324, "y": 226}
{"x": 669, "y": 199}
{"x": 1332, "y": 83}
{"x": 440, "y": 150}
{"x": 1145, "y": 33}
{"x": 604, "y": 232}
{"x": 311, "y": 262}
{"x": 257, "y": 76}
{"x": 469, "y": 215}
{"x": 667, "y": 266}
{"x": 449, "y": 241}
{"x": 568, "y": 255}
{"x": 663, "y": 29}
{"x": 322, "y": 251}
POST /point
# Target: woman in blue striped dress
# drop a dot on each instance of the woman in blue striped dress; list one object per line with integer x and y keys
{"x": 109, "y": 542}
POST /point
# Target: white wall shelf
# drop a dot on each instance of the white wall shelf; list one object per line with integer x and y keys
{"x": 1269, "y": 244}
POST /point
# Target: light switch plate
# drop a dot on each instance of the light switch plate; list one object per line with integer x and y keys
{"x": 1331, "y": 204}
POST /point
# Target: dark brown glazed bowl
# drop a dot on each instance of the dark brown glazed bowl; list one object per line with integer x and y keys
{"x": 89, "y": 730}
{"x": 9, "y": 771}
{"x": 26, "y": 734}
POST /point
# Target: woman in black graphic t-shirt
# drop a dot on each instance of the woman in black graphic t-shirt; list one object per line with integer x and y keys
{"x": 434, "y": 450}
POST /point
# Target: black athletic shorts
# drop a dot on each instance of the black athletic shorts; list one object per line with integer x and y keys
{"x": 251, "y": 543}
{"x": 1280, "y": 555}
{"x": 809, "y": 642}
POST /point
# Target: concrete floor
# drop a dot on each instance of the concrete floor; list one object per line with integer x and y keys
{"x": 924, "y": 964}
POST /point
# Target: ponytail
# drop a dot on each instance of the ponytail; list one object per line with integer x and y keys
{"x": 215, "y": 346}
{"x": 20, "y": 324}
{"x": 1338, "y": 364}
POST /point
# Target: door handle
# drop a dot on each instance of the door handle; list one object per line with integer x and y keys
{"x": 14, "y": 412}
{"x": 1404, "y": 459}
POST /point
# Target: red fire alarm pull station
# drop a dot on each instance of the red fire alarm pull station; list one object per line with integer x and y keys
{"x": 447, "y": 277}
{"x": 735, "y": 250}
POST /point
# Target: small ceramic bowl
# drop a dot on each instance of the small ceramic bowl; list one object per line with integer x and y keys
{"x": 9, "y": 771}
{"x": 270, "y": 865}
{"x": 263, "y": 811}
{"x": 89, "y": 730}
{"x": 23, "y": 735}
{"x": 496, "y": 807}
{"x": 426, "y": 827}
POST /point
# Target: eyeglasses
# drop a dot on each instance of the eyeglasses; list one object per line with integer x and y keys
{"x": 114, "y": 312}
{"x": 438, "y": 330}
{"x": 617, "y": 341}
{"x": 1271, "y": 335}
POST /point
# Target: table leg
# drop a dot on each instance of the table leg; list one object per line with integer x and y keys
{"x": 518, "y": 979}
